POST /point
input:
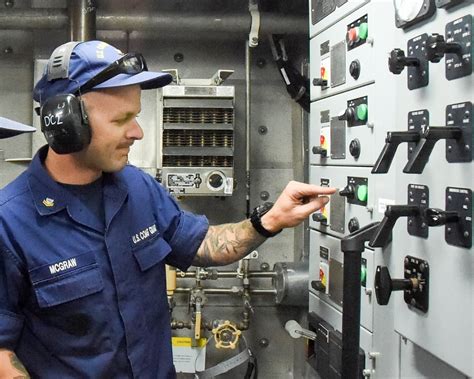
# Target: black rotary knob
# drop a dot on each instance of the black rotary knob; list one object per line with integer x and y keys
{"x": 397, "y": 61}
{"x": 436, "y": 47}
{"x": 353, "y": 224}
{"x": 354, "y": 69}
{"x": 216, "y": 181}
{"x": 354, "y": 148}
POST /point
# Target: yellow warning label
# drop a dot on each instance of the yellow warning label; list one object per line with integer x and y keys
{"x": 187, "y": 342}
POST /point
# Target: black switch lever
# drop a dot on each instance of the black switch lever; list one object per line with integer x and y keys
{"x": 348, "y": 191}
{"x": 438, "y": 217}
{"x": 437, "y": 47}
{"x": 393, "y": 212}
{"x": 320, "y": 82}
{"x": 384, "y": 285}
{"x": 397, "y": 61}
{"x": 349, "y": 114}
{"x": 318, "y": 285}
{"x": 425, "y": 146}
{"x": 319, "y": 217}
{"x": 320, "y": 150}
{"x": 392, "y": 141}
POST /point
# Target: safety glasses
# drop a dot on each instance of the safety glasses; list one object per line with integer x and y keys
{"x": 131, "y": 63}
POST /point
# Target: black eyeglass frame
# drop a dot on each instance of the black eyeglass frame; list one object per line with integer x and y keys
{"x": 114, "y": 69}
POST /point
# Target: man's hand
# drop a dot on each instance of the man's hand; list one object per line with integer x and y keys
{"x": 228, "y": 243}
{"x": 295, "y": 204}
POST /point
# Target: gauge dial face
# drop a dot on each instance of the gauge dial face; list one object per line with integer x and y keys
{"x": 408, "y": 10}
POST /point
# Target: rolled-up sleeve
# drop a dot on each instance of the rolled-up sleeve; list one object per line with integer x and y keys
{"x": 11, "y": 288}
{"x": 186, "y": 240}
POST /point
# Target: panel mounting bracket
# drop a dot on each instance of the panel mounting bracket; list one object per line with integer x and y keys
{"x": 255, "y": 25}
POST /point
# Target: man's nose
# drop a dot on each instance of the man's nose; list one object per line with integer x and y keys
{"x": 135, "y": 131}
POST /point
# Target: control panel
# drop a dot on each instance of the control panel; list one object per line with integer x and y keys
{"x": 342, "y": 56}
{"x": 391, "y": 128}
{"x": 358, "y": 202}
{"x": 345, "y": 127}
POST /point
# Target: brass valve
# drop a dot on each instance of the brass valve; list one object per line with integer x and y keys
{"x": 226, "y": 335}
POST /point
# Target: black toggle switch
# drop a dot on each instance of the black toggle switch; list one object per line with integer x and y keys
{"x": 320, "y": 82}
{"x": 318, "y": 285}
{"x": 393, "y": 212}
{"x": 437, "y": 47}
{"x": 348, "y": 191}
{"x": 320, "y": 150}
{"x": 397, "y": 61}
{"x": 425, "y": 146}
{"x": 393, "y": 139}
{"x": 349, "y": 115}
{"x": 384, "y": 285}
{"x": 438, "y": 217}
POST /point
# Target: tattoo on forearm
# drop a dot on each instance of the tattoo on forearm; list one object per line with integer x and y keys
{"x": 17, "y": 365}
{"x": 227, "y": 243}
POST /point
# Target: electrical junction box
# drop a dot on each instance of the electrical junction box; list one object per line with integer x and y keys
{"x": 197, "y": 140}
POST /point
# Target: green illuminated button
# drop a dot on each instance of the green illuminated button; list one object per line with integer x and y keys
{"x": 362, "y": 111}
{"x": 363, "y": 274}
{"x": 362, "y": 192}
{"x": 363, "y": 30}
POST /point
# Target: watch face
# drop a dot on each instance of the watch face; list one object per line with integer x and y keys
{"x": 264, "y": 208}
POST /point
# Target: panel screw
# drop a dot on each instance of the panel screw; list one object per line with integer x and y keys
{"x": 178, "y": 57}
{"x": 264, "y": 342}
{"x": 262, "y": 130}
{"x": 264, "y": 266}
{"x": 466, "y": 234}
{"x": 261, "y": 62}
{"x": 7, "y": 50}
{"x": 9, "y": 3}
{"x": 264, "y": 195}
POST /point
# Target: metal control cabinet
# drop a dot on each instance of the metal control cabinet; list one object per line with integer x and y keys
{"x": 411, "y": 64}
{"x": 197, "y": 140}
{"x": 446, "y": 330}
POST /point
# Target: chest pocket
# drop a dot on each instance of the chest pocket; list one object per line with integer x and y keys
{"x": 66, "y": 281}
{"x": 151, "y": 252}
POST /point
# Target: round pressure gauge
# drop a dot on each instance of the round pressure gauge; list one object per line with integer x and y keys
{"x": 409, "y": 12}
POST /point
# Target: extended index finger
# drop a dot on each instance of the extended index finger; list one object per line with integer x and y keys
{"x": 304, "y": 189}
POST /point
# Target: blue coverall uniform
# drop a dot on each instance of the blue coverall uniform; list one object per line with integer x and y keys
{"x": 81, "y": 298}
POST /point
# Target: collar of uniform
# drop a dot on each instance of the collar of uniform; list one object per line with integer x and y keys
{"x": 50, "y": 197}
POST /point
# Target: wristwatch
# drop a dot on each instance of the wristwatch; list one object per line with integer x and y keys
{"x": 256, "y": 220}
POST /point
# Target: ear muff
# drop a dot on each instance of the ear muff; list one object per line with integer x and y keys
{"x": 64, "y": 124}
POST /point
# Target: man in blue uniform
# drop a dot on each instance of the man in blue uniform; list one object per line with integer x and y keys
{"x": 84, "y": 237}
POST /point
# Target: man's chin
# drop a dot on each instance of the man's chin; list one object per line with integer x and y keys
{"x": 115, "y": 167}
